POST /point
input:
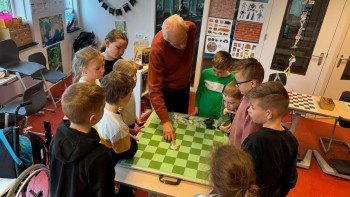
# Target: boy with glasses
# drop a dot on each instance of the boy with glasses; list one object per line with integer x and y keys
{"x": 248, "y": 74}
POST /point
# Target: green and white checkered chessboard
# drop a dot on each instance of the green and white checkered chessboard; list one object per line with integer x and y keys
{"x": 189, "y": 161}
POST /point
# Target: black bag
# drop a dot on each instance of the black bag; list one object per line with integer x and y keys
{"x": 84, "y": 39}
{"x": 7, "y": 164}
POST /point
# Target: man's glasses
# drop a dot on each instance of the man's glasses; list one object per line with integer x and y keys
{"x": 239, "y": 83}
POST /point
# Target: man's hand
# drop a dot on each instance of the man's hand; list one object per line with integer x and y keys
{"x": 168, "y": 131}
{"x": 195, "y": 112}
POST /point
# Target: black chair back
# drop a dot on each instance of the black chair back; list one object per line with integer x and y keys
{"x": 8, "y": 164}
{"x": 9, "y": 53}
{"x": 38, "y": 57}
{"x": 37, "y": 96}
{"x": 281, "y": 77}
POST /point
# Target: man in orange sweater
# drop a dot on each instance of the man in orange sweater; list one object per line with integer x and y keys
{"x": 170, "y": 68}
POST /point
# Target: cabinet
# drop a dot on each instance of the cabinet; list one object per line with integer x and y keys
{"x": 142, "y": 101}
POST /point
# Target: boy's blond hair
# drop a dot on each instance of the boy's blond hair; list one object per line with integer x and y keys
{"x": 222, "y": 60}
{"x": 271, "y": 95}
{"x": 117, "y": 85}
{"x": 232, "y": 91}
{"x": 251, "y": 69}
{"x": 81, "y": 100}
{"x": 82, "y": 58}
{"x": 125, "y": 66}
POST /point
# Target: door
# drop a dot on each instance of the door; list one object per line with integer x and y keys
{"x": 299, "y": 47}
{"x": 340, "y": 77}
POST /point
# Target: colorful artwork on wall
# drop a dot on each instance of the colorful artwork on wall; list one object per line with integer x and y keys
{"x": 51, "y": 29}
{"x": 54, "y": 57}
{"x": 240, "y": 50}
{"x": 215, "y": 44}
{"x": 219, "y": 27}
{"x": 252, "y": 11}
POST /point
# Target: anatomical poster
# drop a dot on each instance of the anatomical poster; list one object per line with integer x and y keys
{"x": 252, "y": 11}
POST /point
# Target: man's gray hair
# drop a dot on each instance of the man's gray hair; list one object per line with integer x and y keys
{"x": 171, "y": 23}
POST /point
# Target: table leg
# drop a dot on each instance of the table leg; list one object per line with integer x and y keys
{"x": 295, "y": 121}
{"x": 326, "y": 168}
{"x": 305, "y": 163}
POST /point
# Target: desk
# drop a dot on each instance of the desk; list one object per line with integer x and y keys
{"x": 302, "y": 104}
{"x": 7, "y": 80}
{"x": 343, "y": 109}
{"x": 188, "y": 162}
{"x": 150, "y": 182}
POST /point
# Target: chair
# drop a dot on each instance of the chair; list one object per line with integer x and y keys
{"x": 9, "y": 60}
{"x": 51, "y": 76}
{"x": 35, "y": 94}
{"x": 282, "y": 77}
{"x": 343, "y": 122}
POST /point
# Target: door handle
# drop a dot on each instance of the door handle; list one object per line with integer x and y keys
{"x": 340, "y": 59}
{"x": 320, "y": 58}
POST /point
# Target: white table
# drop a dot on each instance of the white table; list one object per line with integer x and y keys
{"x": 343, "y": 111}
{"x": 150, "y": 182}
{"x": 297, "y": 112}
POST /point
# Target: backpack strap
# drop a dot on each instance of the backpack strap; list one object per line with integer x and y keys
{"x": 9, "y": 148}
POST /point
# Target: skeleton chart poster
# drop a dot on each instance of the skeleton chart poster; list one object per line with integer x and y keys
{"x": 240, "y": 50}
{"x": 252, "y": 11}
{"x": 215, "y": 44}
{"x": 219, "y": 27}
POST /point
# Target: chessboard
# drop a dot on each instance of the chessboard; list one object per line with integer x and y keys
{"x": 189, "y": 161}
{"x": 301, "y": 102}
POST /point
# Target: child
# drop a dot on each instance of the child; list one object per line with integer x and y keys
{"x": 88, "y": 66}
{"x": 249, "y": 73}
{"x": 114, "y": 133}
{"x": 232, "y": 97}
{"x": 114, "y": 46}
{"x": 273, "y": 148}
{"x": 211, "y": 84}
{"x": 232, "y": 177}
{"x": 128, "y": 112}
{"x": 79, "y": 164}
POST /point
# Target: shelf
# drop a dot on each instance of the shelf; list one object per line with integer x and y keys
{"x": 143, "y": 70}
{"x": 144, "y": 93}
{"x": 73, "y": 29}
{"x": 27, "y": 46}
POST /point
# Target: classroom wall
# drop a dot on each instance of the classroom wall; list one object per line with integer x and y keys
{"x": 140, "y": 20}
{"x": 66, "y": 47}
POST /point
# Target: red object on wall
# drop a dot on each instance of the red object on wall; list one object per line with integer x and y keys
{"x": 247, "y": 31}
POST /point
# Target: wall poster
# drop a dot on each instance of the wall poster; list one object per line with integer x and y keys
{"x": 252, "y": 11}
{"x": 51, "y": 29}
{"x": 54, "y": 57}
{"x": 240, "y": 50}
{"x": 219, "y": 27}
{"x": 215, "y": 44}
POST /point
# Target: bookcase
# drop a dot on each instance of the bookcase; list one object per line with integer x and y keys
{"x": 142, "y": 101}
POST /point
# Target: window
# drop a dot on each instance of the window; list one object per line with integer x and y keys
{"x": 5, "y": 5}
